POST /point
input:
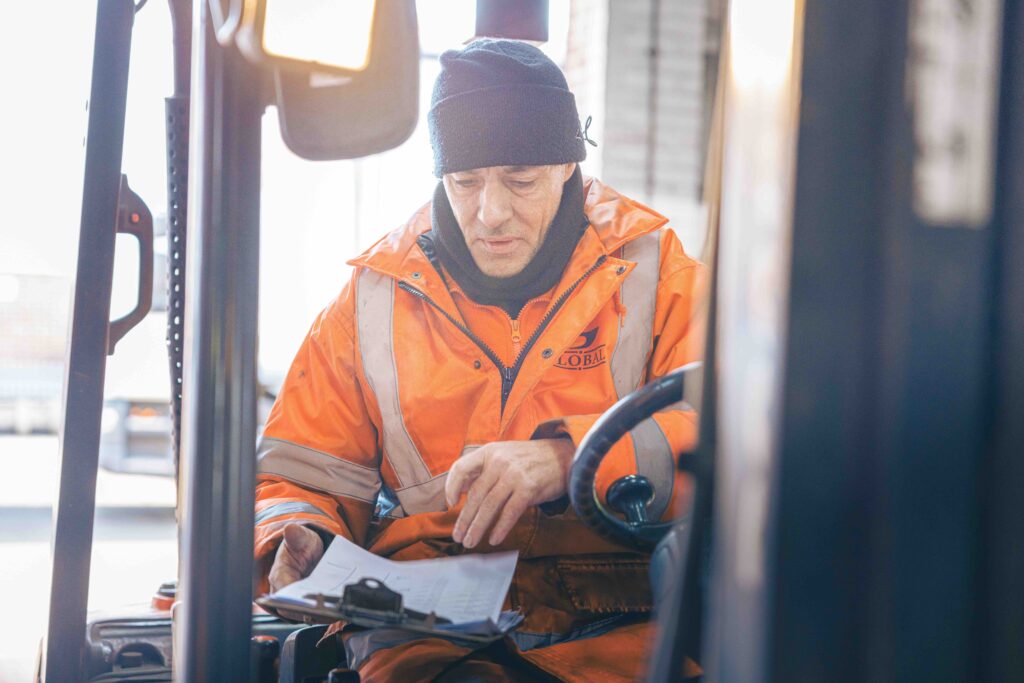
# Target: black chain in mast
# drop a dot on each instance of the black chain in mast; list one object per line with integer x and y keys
{"x": 177, "y": 113}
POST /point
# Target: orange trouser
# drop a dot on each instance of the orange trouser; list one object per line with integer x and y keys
{"x": 432, "y": 659}
{"x": 619, "y": 656}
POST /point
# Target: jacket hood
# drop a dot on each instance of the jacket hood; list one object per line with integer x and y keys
{"x": 614, "y": 217}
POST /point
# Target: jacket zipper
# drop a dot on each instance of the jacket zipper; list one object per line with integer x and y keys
{"x": 516, "y": 336}
{"x": 508, "y": 374}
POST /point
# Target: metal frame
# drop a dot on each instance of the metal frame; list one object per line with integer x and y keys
{"x": 830, "y": 461}
{"x": 219, "y": 409}
{"x": 892, "y": 542}
{"x": 874, "y": 564}
{"x": 887, "y": 354}
{"x": 681, "y": 619}
{"x": 63, "y": 648}
{"x": 1001, "y": 607}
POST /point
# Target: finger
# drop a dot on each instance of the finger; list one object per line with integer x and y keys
{"x": 462, "y": 474}
{"x": 489, "y": 509}
{"x": 463, "y": 487}
{"x": 478, "y": 492}
{"x": 514, "y": 509}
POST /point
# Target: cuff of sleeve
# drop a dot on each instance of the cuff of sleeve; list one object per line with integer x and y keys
{"x": 553, "y": 429}
{"x": 556, "y": 507}
{"x": 325, "y": 536}
{"x": 619, "y": 461}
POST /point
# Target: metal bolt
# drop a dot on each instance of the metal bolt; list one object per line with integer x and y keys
{"x": 476, "y": 364}
{"x": 546, "y": 353}
{"x": 416, "y": 276}
{"x": 620, "y": 270}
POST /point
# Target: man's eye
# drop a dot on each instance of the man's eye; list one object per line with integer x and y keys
{"x": 465, "y": 183}
{"x": 522, "y": 184}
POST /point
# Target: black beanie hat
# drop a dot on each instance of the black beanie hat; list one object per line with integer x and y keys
{"x": 502, "y": 103}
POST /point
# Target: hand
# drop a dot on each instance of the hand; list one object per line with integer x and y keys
{"x": 502, "y": 480}
{"x": 298, "y": 553}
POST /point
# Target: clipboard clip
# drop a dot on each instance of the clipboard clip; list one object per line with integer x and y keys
{"x": 370, "y": 600}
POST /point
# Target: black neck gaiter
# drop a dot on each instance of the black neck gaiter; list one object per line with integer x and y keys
{"x": 539, "y": 275}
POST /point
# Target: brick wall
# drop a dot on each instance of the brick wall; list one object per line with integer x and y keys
{"x": 639, "y": 67}
{"x": 585, "y": 68}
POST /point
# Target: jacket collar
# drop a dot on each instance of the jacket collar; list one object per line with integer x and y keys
{"x": 615, "y": 218}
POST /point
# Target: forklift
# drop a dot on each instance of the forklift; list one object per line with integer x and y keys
{"x": 856, "y": 513}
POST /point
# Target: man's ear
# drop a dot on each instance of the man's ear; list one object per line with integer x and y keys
{"x": 569, "y": 169}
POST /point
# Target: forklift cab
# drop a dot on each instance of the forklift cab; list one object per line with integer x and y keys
{"x": 864, "y": 191}
{"x": 347, "y": 89}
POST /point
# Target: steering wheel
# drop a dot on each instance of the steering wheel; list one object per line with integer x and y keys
{"x": 631, "y": 494}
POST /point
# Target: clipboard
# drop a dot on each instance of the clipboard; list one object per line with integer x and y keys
{"x": 371, "y": 604}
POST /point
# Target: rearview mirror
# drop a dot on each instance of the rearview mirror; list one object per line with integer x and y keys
{"x": 332, "y": 36}
{"x": 349, "y": 114}
{"x": 346, "y": 73}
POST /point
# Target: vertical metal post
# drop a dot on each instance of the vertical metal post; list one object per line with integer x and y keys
{"x": 1000, "y": 611}
{"x": 876, "y": 488}
{"x": 760, "y": 125}
{"x": 63, "y": 648}
{"x": 219, "y": 409}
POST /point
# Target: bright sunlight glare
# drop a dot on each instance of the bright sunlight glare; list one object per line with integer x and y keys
{"x": 322, "y": 31}
{"x": 761, "y": 42}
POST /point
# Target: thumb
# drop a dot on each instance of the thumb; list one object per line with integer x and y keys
{"x": 300, "y": 550}
{"x": 301, "y": 541}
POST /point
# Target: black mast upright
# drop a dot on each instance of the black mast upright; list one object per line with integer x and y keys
{"x": 219, "y": 411}
{"x": 63, "y": 648}
{"x": 1000, "y": 611}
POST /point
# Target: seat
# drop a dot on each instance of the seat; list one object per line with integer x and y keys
{"x": 302, "y": 661}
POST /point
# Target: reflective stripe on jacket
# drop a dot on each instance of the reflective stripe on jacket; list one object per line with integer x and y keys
{"x": 403, "y": 373}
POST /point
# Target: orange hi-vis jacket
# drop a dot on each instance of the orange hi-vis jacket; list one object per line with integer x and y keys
{"x": 402, "y": 373}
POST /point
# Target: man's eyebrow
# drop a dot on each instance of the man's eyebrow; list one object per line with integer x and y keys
{"x": 519, "y": 169}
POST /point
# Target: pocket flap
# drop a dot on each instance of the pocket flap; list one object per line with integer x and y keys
{"x": 607, "y": 585}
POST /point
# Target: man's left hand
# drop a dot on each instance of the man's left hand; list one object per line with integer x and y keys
{"x": 501, "y": 481}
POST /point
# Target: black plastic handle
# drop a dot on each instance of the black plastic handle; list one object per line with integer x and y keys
{"x": 630, "y": 411}
{"x": 134, "y": 218}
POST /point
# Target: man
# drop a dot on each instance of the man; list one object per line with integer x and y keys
{"x": 462, "y": 364}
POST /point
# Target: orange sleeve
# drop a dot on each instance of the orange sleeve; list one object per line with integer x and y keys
{"x": 318, "y": 455}
{"x": 679, "y": 334}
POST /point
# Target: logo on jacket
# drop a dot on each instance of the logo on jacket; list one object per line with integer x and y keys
{"x": 585, "y": 354}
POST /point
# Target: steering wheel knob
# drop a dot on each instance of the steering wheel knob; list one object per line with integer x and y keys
{"x": 630, "y": 496}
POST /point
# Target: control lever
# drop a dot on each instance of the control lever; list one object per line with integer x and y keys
{"x": 630, "y": 496}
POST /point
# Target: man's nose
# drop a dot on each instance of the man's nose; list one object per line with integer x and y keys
{"x": 495, "y": 205}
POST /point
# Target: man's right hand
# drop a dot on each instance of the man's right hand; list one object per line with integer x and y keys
{"x": 300, "y": 550}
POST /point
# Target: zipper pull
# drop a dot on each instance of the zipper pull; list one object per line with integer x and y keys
{"x": 506, "y": 384}
{"x": 516, "y": 337}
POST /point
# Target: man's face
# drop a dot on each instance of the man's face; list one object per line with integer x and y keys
{"x": 504, "y": 212}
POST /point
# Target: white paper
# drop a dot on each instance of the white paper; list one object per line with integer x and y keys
{"x": 464, "y": 589}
